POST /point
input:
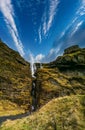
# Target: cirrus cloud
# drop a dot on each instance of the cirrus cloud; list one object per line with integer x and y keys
{"x": 47, "y": 18}
{"x": 7, "y": 10}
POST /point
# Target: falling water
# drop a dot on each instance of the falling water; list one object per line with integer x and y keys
{"x": 41, "y": 65}
{"x": 33, "y": 89}
{"x": 33, "y": 94}
{"x": 32, "y": 64}
{"x": 33, "y": 69}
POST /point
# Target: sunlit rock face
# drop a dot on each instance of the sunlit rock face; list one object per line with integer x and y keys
{"x": 62, "y": 77}
{"x": 72, "y": 49}
{"x": 73, "y": 56}
{"x": 15, "y": 77}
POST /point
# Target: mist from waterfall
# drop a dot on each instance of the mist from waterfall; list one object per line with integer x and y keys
{"x": 32, "y": 65}
{"x": 33, "y": 60}
{"x": 41, "y": 65}
{"x": 33, "y": 69}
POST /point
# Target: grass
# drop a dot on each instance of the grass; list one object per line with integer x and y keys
{"x": 55, "y": 83}
{"x": 65, "y": 113}
{"x": 8, "y": 108}
{"x": 15, "y": 77}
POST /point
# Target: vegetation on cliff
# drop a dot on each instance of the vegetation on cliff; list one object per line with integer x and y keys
{"x": 15, "y": 77}
{"x": 60, "y": 91}
{"x": 64, "y": 76}
{"x": 72, "y": 57}
{"x": 8, "y": 108}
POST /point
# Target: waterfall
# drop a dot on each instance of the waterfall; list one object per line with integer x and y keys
{"x": 41, "y": 65}
{"x": 33, "y": 89}
{"x": 34, "y": 96}
{"x": 33, "y": 68}
{"x": 32, "y": 64}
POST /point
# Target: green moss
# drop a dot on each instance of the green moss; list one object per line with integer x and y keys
{"x": 15, "y": 77}
{"x": 53, "y": 82}
{"x": 9, "y": 108}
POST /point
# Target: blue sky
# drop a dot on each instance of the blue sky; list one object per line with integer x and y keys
{"x": 40, "y": 30}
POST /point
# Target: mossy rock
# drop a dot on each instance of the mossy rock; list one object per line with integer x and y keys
{"x": 15, "y": 77}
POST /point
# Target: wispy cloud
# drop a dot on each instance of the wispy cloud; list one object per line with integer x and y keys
{"x": 48, "y": 17}
{"x": 72, "y": 34}
{"x": 77, "y": 26}
{"x": 7, "y": 10}
{"x": 52, "y": 11}
{"x": 44, "y": 23}
{"x": 81, "y": 10}
{"x": 40, "y": 34}
{"x": 53, "y": 53}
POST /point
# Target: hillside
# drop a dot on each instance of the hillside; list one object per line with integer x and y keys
{"x": 67, "y": 113}
{"x": 64, "y": 76}
{"x": 57, "y": 92}
{"x": 15, "y": 78}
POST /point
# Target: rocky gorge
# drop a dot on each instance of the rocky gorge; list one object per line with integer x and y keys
{"x": 59, "y": 82}
{"x": 15, "y": 78}
{"x": 62, "y": 77}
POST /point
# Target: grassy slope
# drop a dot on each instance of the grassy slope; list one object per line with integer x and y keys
{"x": 15, "y": 77}
{"x": 61, "y": 113}
{"x": 9, "y": 108}
{"x": 67, "y": 113}
{"x": 64, "y": 76}
{"x": 71, "y": 59}
{"x": 52, "y": 83}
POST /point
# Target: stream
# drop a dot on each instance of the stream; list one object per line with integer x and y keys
{"x": 12, "y": 117}
{"x": 33, "y": 94}
{"x": 33, "y": 89}
{"x": 34, "y": 100}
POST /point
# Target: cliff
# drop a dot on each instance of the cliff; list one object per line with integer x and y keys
{"x": 73, "y": 57}
{"x": 64, "y": 76}
{"x": 58, "y": 90}
{"x": 15, "y": 77}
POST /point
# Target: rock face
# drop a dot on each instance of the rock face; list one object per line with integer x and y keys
{"x": 73, "y": 56}
{"x": 72, "y": 49}
{"x": 64, "y": 76}
{"x": 15, "y": 77}
{"x": 59, "y": 84}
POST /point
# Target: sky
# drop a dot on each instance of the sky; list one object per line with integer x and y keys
{"x": 40, "y": 30}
